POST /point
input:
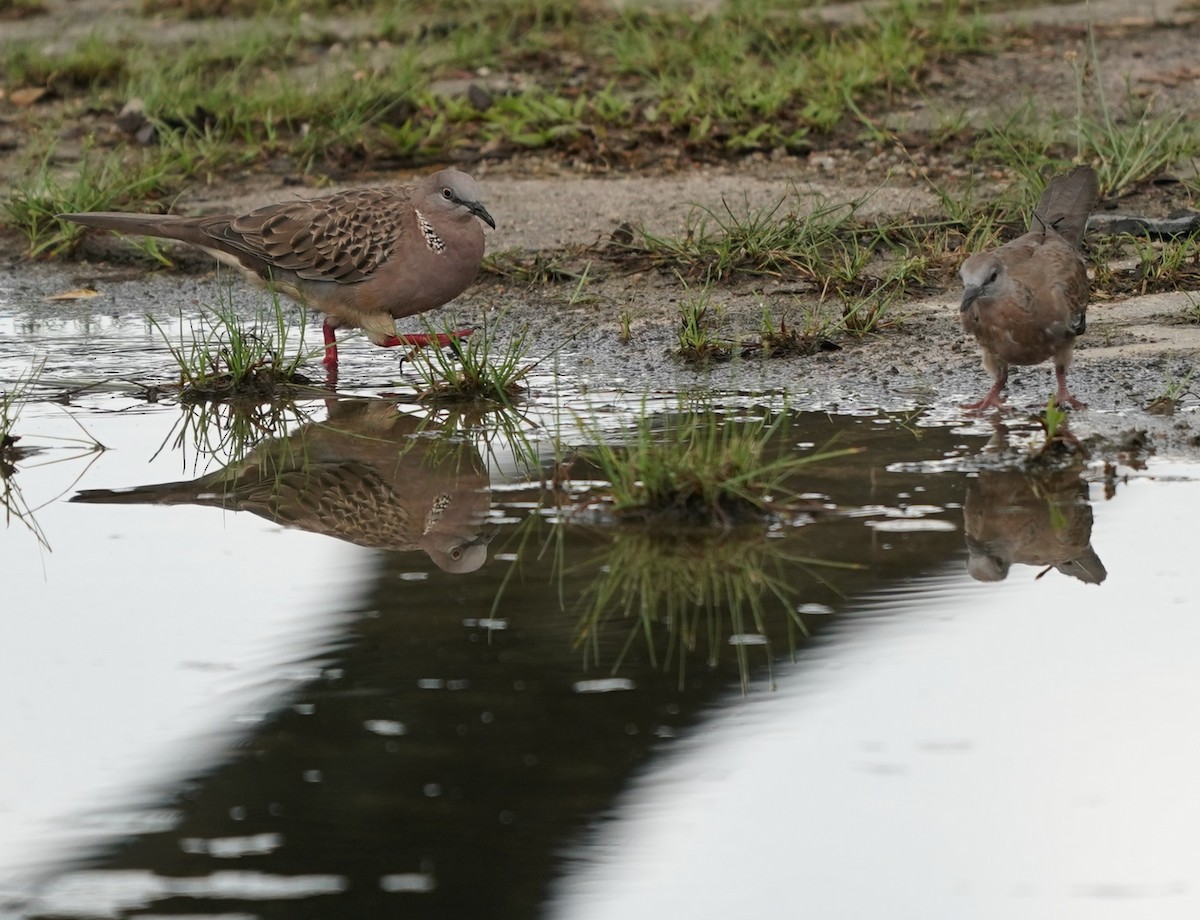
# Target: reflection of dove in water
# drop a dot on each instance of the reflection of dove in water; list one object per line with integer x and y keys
{"x": 1014, "y": 517}
{"x": 359, "y": 476}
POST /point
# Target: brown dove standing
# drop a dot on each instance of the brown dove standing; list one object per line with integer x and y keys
{"x": 1027, "y": 301}
{"x": 364, "y": 257}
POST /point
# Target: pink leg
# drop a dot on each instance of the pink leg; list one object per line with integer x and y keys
{"x": 331, "y": 359}
{"x": 1063, "y": 396}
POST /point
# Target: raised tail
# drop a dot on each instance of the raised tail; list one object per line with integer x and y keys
{"x": 1087, "y": 567}
{"x": 1067, "y": 202}
{"x": 165, "y": 226}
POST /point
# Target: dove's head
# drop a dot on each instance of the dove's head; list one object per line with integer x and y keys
{"x": 984, "y": 277}
{"x": 455, "y": 553}
{"x": 984, "y": 563}
{"x": 454, "y": 194}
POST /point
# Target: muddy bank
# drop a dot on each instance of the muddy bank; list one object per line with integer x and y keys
{"x": 1127, "y": 361}
{"x": 1136, "y": 350}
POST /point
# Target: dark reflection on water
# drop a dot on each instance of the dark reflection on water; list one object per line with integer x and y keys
{"x": 471, "y": 725}
{"x": 13, "y": 505}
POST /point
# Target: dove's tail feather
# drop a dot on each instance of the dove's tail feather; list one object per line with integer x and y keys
{"x": 1067, "y": 202}
{"x": 165, "y": 226}
{"x": 166, "y": 493}
{"x": 1087, "y": 567}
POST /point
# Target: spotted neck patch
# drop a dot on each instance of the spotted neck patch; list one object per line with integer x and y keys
{"x": 435, "y": 511}
{"x": 432, "y": 240}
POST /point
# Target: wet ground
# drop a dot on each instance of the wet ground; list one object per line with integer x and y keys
{"x": 351, "y": 659}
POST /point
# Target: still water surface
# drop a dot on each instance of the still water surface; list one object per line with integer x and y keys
{"x": 423, "y": 707}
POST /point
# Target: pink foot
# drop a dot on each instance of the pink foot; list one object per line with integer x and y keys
{"x": 1063, "y": 396}
{"x": 992, "y": 400}
{"x": 420, "y": 339}
{"x": 993, "y": 395}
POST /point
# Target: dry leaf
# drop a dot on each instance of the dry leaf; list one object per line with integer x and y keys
{"x": 1174, "y": 77}
{"x": 77, "y": 294}
{"x": 28, "y": 95}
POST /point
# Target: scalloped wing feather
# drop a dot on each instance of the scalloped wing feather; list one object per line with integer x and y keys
{"x": 343, "y": 238}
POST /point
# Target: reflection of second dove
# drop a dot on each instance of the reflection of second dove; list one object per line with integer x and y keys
{"x": 1012, "y": 517}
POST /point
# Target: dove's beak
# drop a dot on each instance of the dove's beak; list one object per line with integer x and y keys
{"x": 969, "y": 294}
{"x": 482, "y": 213}
{"x": 485, "y": 536}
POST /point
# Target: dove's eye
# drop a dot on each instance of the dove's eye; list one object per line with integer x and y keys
{"x": 456, "y": 554}
{"x": 991, "y": 277}
{"x": 447, "y": 194}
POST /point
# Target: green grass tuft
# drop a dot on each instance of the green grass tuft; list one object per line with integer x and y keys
{"x": 228, "y": 358}
{"x": 93, "y": 64}
{"x": 601, "y": 83}
{"x": 698, "y": 338}
{"x": 699, "y": 469}
{"x": 102, "y": 182}
{"x": 478, "y": 368}
{"x": 821, "y": 244}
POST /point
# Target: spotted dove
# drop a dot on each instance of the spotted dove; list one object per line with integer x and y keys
{"x": 363, "y": 475}
{"x": 364, "y": 257}
{"x": 1027, "y": 300}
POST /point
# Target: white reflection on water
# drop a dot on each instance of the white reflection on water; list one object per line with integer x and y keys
{"x": 1022, "y": 750}
{"x": 113, "y": 894}
{"x": 146, "y": 636}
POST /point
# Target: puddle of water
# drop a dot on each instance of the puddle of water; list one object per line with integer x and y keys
{"x": 130, "y": 638}
{"x": 361, "y": 669}
{"x": 989, "y": 751}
